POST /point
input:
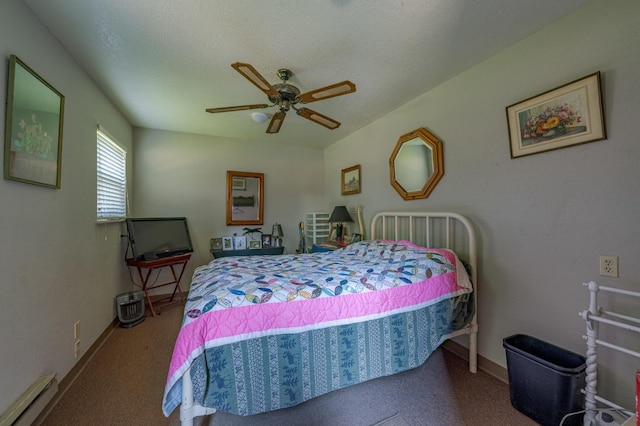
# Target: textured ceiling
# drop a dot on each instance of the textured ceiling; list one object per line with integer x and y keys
{"x": 162, "y": 62}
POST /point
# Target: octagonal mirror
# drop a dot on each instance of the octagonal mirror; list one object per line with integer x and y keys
{"x": 416, "y": 164}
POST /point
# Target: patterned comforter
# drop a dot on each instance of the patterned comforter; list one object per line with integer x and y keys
{"x": 250, "y": 320}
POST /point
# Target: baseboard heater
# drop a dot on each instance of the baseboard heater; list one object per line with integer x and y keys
{"x": 31, "y": 403}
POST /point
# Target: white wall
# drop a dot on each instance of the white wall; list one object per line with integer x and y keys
{"x": 57, "y": 265}
{"x": 178, "y": 174}
{"x": 543, "y": 220}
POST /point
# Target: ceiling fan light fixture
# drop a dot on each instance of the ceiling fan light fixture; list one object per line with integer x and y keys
{"x": 260, "y": 117}
{"x": 286, "y": 96}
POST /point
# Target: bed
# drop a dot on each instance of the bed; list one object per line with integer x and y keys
{"x": 261, "y": 333}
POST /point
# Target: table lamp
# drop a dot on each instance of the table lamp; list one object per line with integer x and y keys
{"x": 276, "y": 235}
{"x": 340, "y": 214}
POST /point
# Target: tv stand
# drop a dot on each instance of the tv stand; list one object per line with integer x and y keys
{"x": 177, "y": 264}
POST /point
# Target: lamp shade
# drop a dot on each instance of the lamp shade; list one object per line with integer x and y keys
{"x": 340, "y": 214}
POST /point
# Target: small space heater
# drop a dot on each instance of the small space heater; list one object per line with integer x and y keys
{"x": 130, "y": 307}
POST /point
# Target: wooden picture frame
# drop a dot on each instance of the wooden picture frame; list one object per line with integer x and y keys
{"x": 568, "y": 115}
{"x": 266, "y": 240}
{"x": 33, "y": 128}
{"x": 350, "y": 182}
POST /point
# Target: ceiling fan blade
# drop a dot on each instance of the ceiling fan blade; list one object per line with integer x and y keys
{"x": 237, "y": 108}
{"x": 316, "y": 117}
{"x": 337, "y": 89}
{"x": 254, "y": 76}
{"x": 276, "y": 122}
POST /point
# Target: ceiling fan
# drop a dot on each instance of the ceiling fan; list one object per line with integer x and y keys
{"x": 286, "y": 96}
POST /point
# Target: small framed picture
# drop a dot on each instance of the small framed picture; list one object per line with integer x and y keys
{"x": 215, "y": 243}
{"x": 355, "y": 238}
{"x": 239, "y": 184}
{"x": 266, "y": 240}
{"x": 351, "y": 180}
{"x": 255, "y": 244}
{"x": 227, "y": 243}
{"x": 240, "y": 243}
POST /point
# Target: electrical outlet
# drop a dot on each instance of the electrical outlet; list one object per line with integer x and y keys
{"x": 76, "y": 330}
{"x": 609, "y": 266}
{"x": 76, "y": 348}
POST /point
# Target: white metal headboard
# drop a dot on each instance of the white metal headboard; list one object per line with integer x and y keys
{"x": 436, "y": 230}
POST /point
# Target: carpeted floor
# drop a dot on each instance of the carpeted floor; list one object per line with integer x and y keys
{"x": 123, "y": 384}
{"x": 395, "y": 420}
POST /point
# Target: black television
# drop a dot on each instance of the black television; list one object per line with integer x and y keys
{"x": 158, "y": 237}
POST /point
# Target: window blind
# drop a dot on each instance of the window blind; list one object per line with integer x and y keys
{"x": 112, "y": 179}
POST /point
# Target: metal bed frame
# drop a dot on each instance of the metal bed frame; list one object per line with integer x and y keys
{"x": 438, "y": 230}
{"x": 429, "y": 229}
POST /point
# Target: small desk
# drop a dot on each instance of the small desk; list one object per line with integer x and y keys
{"x": 173, "y": 263}
{"x": 248, "y": 252}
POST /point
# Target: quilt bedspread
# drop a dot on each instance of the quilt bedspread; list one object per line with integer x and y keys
{"x": 236, "y": 299}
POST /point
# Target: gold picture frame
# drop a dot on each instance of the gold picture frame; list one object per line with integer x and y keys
{"x": 350, "y": 182}
{"x": 33, "y": 130}
{"x": 568, "y": 115}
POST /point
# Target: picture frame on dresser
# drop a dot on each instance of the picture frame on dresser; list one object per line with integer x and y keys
{"x": 266, "y": 240}
{"x": 215, "y": 243}
{"x": 240, "y": 243}
{"x": 227, "y": 243}
{"x": 255, "y": 244}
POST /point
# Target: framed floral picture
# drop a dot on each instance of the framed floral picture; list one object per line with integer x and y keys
{"x": 33, "y": 132}
{"x": 351, "y": 180}
{"x": 568, "y": 115}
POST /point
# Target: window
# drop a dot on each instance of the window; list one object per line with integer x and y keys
{"x": 112, "y": 179}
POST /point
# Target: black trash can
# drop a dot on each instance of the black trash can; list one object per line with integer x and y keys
{"x": 545, "y": 381}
